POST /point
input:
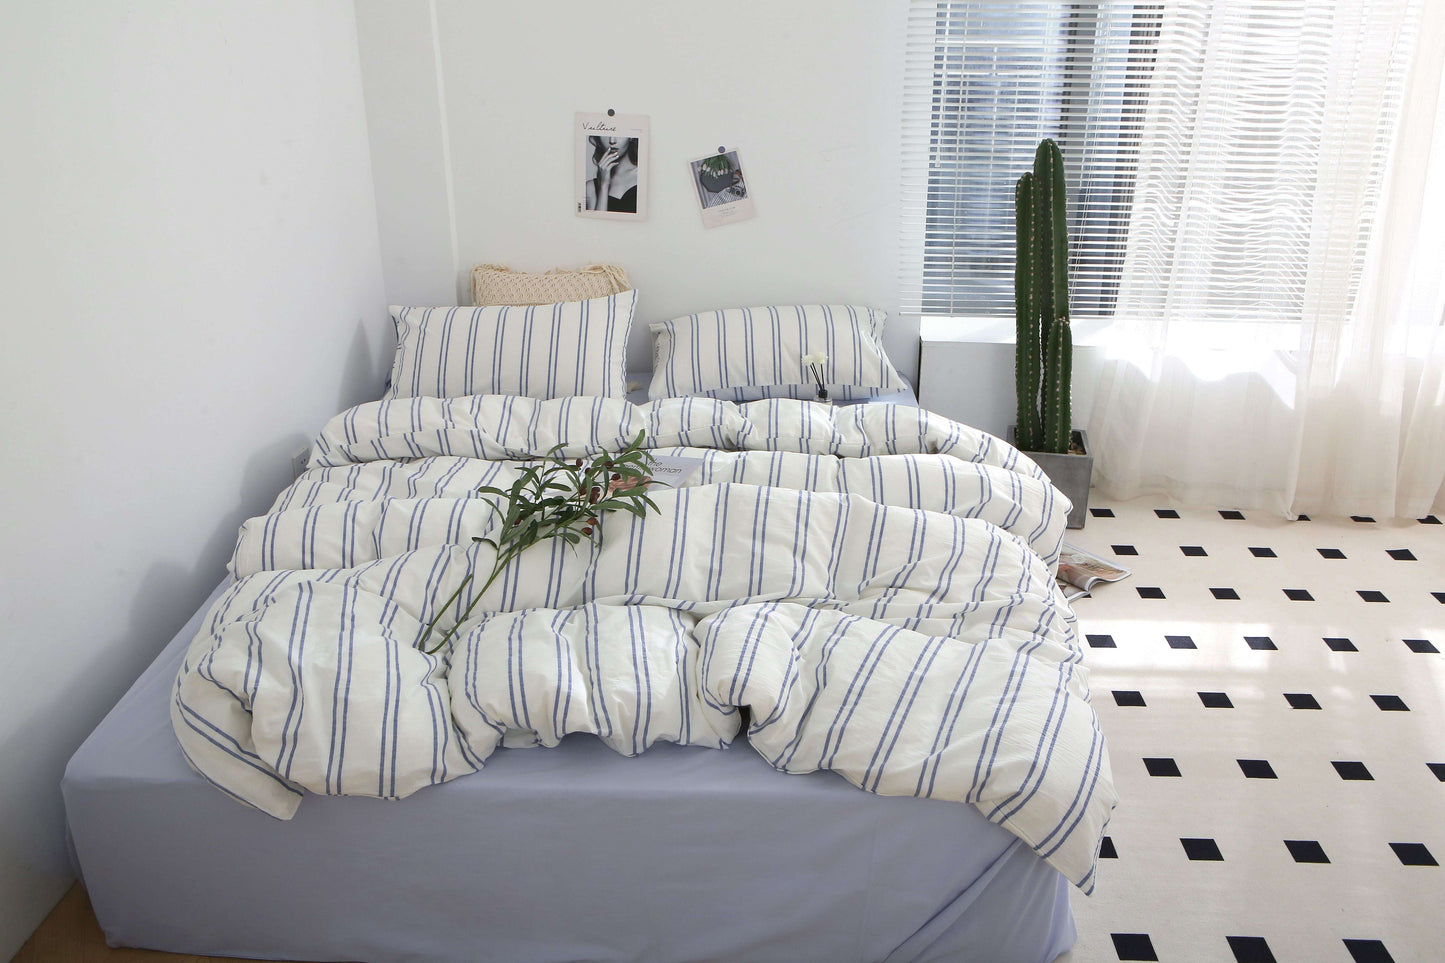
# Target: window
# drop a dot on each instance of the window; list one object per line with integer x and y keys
{"x": 1224, "y": 158}
{"x": 987, "y": 81}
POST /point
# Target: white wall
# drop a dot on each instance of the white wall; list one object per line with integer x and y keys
{"x": 191, "y": 277}
{"x": 810, "y": 92}
{"x": 984, "y": 348}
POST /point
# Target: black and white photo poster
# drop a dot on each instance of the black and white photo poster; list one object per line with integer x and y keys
{"x": 722, "y": 190}
{"x": 612, "y": 166}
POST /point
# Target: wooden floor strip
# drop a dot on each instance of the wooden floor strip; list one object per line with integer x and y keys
{"x": 70, "y": 934}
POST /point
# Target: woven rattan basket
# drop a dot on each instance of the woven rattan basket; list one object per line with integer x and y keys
{"x": 498, "y": 284}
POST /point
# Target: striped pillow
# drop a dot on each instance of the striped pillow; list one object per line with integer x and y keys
{"x": 540, "y": 351}
{"x": 741, "y": 353}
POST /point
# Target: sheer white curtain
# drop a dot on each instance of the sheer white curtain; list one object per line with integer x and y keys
{"x": 1280, "y": 306}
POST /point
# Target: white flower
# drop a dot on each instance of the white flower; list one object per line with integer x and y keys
{"x": 817, "y": 357}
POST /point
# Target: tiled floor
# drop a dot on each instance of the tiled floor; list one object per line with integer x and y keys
{"x": 1273, "y": 693}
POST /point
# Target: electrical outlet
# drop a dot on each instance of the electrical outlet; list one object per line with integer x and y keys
{"x": 298, "y": 462}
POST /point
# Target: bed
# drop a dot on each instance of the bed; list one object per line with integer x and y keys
{"x": 545, "y": 832}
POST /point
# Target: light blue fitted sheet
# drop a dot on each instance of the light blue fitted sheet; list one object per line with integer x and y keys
{"x": 572, "y": 853}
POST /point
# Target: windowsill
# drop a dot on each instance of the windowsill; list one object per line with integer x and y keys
{"x": 1088, "y": 332}
{"x": 1184, "y": 339}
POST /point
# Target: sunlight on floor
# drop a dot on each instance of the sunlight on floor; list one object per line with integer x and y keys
{"x": 1301, "y": 716}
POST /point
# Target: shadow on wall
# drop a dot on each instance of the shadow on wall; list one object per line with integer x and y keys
{"x": 171, "y": 590}
{"x": 37, "y": 752}
{"x": 364, "y": 374}
{"x": 168, "y": 593}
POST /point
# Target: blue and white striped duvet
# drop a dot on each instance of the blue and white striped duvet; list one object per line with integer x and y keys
{"x": 873, "y": 583}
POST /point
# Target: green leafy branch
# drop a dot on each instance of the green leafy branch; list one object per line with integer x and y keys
{"x": 561, "y": 498}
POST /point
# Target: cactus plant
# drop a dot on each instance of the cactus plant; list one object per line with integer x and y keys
{"x": 1044, "y": 344}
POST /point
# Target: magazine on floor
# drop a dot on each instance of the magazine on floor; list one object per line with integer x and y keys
{"x": 1081, "y": 570}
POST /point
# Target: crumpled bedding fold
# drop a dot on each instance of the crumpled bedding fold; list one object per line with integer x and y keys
{"x": 877, "y": 592}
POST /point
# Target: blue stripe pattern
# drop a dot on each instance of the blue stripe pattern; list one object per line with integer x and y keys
{"x": 497, "y": 427}
{"x": 321, "y": 523}
{"x": 548, "y": 351}
{"x": 746, "y": 354}
{"x": 891, "y": 617}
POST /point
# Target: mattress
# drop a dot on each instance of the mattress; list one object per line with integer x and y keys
{"x": 572, "y": 853}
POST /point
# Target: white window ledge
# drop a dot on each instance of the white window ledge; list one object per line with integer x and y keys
{"x": 934, "y": 329}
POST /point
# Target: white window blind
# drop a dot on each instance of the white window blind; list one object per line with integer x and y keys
{"x": 1203, "y": 140}
{"x": 985, "y": 82}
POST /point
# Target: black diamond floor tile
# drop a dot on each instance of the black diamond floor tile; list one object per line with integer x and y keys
{"x": 1166, "y": 513}
{"x": 1361, "y": 518}
{"x": 1260, "y": 642}
{"x": 1298, "y": 595}
{"x": 1150, "y": 592}
{"x": 1102, "y": 512}
{"x": 1232, "y": 515}
{"x": 1390, "y": 703}
{"x": 1180, "y": 641}
{"x": 1123, "y": 550}
{"x": 1250, "y": 949}
{"x": 1161, "y": 766}
{"x": 1402, "y": 555}
{"x": 1259, "y": 551}
{"x": 1202, "y": 850}
{"x": 1371, "y": 595}
{"x": 1438, "y": 768}
{"x": 1256, "y": 769}
{"x": 1353, "y": 771}
{"x": 1133, "y": 946}
{"x": 1368, "y": 951}
{"x": 1306, "y": 851}
{"x": 1100, "y": 641}
{"x": 1301, "y": 700}
{"x": 1330, "y": 553}
{"x": 1414, "y": 854}
{"x": 1106, "y": 848}
{"x": 1423, "y": 646}
{"x": 1128, "y": 697}
{"x": 1215, "y": 700}
{"x": 1341, "y": 645}
{"x": 1193, "y": 551}
{"x": 1224, "y": 593}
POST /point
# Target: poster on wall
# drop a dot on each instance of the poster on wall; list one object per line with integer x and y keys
{"x": 722, "y": 190}
{"x": 612, "y": 166}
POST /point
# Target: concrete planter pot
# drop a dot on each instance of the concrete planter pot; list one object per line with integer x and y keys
{"x": 1071, "y": 474}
